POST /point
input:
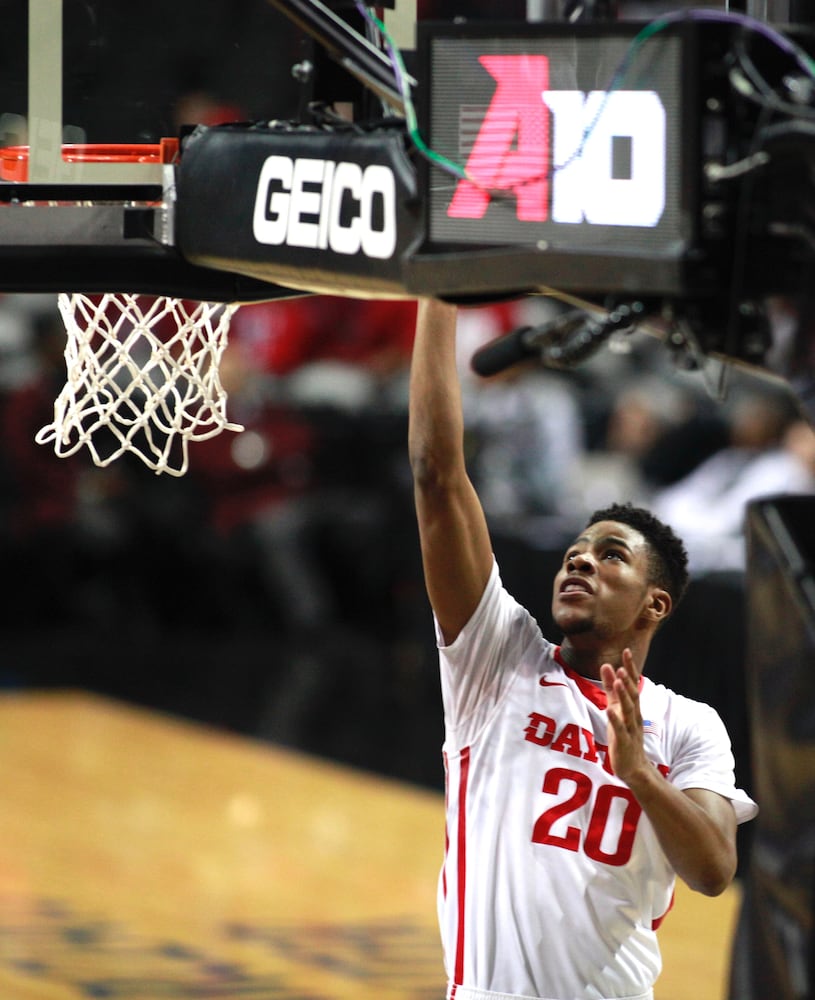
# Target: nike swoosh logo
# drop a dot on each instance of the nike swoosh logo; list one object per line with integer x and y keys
{"x": 544, "y": 683}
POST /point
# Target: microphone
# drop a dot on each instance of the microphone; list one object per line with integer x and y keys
{"x": 560, "y": 343}
{"x": 525, "y": 342}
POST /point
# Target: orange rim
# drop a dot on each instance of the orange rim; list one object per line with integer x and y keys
{"x": 14, "y": 159}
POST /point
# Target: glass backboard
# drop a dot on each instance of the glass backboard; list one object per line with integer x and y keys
{"x": 93, "y": 71}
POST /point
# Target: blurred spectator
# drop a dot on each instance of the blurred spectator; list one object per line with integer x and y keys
{"x": 769, "y": 452}
{"x": 524, "y": 426}
{"x": 799, "y": 443}
{"x": 333, "y": 344}
{"x": 257, "y": 489}
{"x": 659, "y": 428}
{"x": 18, "y": 316}
{"x": 300, "y": 374}
{"x": 642, "y": 409}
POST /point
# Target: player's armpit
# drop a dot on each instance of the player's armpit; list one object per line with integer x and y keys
{"x": 718, "y": 808}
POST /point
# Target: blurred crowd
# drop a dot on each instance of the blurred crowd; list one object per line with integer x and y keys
{"x": 298, "y": 533}
{"x": 693, "y": 441}
{"x": 320, "y": 385}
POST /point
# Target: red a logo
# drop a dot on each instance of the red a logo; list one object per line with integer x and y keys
{"x": 511, "y": 151}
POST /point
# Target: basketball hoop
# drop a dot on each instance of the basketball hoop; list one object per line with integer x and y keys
{"x": 142, "y": 371}
{"x": 142, "y": 375}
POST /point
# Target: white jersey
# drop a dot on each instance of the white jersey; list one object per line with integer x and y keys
{"x": 553, "y": 881}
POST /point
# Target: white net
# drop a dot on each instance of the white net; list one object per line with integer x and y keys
{"x": 142, "y": 377}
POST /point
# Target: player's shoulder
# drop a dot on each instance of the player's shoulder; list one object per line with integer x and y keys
{"x": 659, "y": 696}
{"x": 677, "y": 711}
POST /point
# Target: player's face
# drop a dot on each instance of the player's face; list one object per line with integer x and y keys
{"x": 603, "y": 585}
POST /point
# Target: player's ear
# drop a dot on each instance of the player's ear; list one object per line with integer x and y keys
{"x": 659, "y": 605}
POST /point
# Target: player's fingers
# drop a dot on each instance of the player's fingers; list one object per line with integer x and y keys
{"x": 629, "y": 701}
{"x": 628, "y": 672}
{"x": 630, "y": 666}
{"x": 607, "y": 676}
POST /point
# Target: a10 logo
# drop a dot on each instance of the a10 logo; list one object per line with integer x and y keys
{"x": 554, "y": 150}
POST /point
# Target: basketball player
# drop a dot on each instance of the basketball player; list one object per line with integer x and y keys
{"x": 577, "y": 789}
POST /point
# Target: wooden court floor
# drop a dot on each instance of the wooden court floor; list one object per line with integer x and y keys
{"x": 147, "y": 858}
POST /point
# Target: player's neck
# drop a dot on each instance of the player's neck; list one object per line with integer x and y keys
{"x": 586, "y": 658}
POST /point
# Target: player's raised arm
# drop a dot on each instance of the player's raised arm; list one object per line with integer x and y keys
{"x": 455, "y": 542}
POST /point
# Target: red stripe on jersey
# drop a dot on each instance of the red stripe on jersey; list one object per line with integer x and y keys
{"x": 446, "y": 827}
{"x": 655, "y": 924}
{"x": 592, "y": 692}
{"x": 462, "y": 859}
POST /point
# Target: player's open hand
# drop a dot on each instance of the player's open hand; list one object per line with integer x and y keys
{"x": 625, "y": 733}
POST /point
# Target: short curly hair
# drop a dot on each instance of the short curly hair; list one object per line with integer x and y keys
{"x": 668, "y": 558}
